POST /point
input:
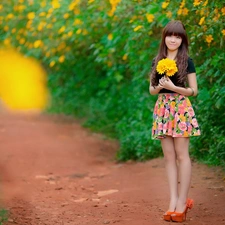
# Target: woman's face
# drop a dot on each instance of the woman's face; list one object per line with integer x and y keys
{"x": 173, "y": 42}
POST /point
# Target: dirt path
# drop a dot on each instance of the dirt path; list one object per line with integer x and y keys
{"x": 56, "y": 172}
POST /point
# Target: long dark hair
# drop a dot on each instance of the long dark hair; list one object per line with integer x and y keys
{"x": 173, "y": 28}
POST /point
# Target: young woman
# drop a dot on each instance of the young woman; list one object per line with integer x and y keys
{"x": 174, "y": 120}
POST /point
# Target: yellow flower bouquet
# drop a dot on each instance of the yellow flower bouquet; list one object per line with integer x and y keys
{"x": 167, "y": 67}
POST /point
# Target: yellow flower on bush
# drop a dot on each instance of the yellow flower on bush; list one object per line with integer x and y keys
{"x": 43, "y": 4}
{"x": 223, "y": 32}
{"x": 10, "y": 16}
{"x": 209, "y": 38}
{"x": 61, "y": 46}
{"x": 197, "y": 2}
{"x": 77, "y": 22}
{"x": 41, "y": 25}
{"x": 137, "y": 28}
{"x": 216, "y": 10}
{"x": 62, "y": 29}
{"x": 7, "y": 41}
{"x": 20, "y": 8}
{"x": 31, "y": 15}
{"x": 169, "y": 14}
{"x": 29, "y": 23}
{"x": 182, "y": 4}
{"x": 49, "y": 26}
{"x": 204, "y": 12}
{"x": 42, "y": 14}
{"x": 50, "y": 11}
{"x": 21, "y": 31}
{"x": 68, "y": 48}
{"x": 114, "y": 4}
{"x": 78, "y": 31}
{"x": 53, "y": 51}
{"x": 30, "y": 45}
{"x": 185, "y": 11}
{"x": 205, "y": 3}
{"x": 48, "y": 54}
{"x": 216, "y": 18}
{"x": 166, "y": 66}
{"x": 150, "y": 17}
{"x": 85, "y": 32}
{"x": 73, "y": 4}
{"x": 179, "y": 12}
{"x": 1, "y": 7}
{"x": 90, "y": 1}
{"x": 165, "y": 4}
{"x": 66, "y": 15}
{"x": 110, "y": 37}
{"x": 38, "y": 43}
{"x": 70, "y": 34}
{"x": 6, "y": 28}
{"x": 22, "y": 41}
{"x": 55, "y": 4}
{"x": 111, "y": 12}
{"x": 52, "y": 63}
{"x": 76, "y": 11}
{"x": 13, "y": 30}
{"x": 132, "y": 19}
{"x": 125, "y": 57}
{"x": 62, "y": 58}
{"x": 223, "y": 11}
{"x": 201, "y": 21}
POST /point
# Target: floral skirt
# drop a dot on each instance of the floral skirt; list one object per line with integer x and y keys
{"x": 174, "y": 116}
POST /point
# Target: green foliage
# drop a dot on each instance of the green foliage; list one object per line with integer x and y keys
{"x": 98, "y": 55}
{"x": 3, "y": 216}
{"x": 210, "y": 105}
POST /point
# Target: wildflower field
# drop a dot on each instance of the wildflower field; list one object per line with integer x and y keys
{"x": 98, "y": 56}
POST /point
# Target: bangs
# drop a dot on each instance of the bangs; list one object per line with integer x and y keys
{"x": 176, "y": 28}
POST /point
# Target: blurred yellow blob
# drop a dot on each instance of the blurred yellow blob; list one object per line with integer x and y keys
{"x": 22, "y": 82}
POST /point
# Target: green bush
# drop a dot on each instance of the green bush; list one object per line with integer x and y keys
{"x": 98, "y": 56}
{"x": 3, "y": 216}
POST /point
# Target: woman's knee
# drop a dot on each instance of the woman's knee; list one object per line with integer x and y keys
{"x": 170, "y": 156}
{"x": 183, "y": 157}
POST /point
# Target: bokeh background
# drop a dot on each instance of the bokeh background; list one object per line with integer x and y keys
{"x": 95, "y": 59}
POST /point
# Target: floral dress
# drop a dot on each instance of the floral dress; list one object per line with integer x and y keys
{"x": 174, "y": 116}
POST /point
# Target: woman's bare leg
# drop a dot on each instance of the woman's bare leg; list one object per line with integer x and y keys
{"x": 171, "y": 169}
{"x": 184, "y": 166}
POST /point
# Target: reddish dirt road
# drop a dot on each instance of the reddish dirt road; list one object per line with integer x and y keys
{"x": 56, "y": 172}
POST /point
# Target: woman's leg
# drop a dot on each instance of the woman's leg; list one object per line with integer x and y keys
{"x": 171, "y": 169}
{"x": 184, "y": 166}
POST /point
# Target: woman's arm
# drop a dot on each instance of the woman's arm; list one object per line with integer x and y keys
{"x": 154, "y": 90}
{"x": 192, "y": 90}
{"x": 192, "y": 83}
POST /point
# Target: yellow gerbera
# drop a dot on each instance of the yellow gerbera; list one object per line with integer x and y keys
{"x": 167, "y": 67}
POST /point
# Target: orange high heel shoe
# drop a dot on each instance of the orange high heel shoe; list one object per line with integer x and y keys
{"x": 167, "y": 216}
{"x": 181, "y": 217}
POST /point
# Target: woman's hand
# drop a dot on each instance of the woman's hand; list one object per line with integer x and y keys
{"x": 166, "y": 83}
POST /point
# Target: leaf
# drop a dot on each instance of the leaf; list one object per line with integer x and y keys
{"x": 219, "y": 103}
{"x": 118, "y": 77}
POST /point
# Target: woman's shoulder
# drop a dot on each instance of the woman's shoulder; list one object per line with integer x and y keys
{"x": 190, "y": 59}
{"x": 191, "y": 66}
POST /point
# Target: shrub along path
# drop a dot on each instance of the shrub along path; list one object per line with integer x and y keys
{"x": 56, "y": 172}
